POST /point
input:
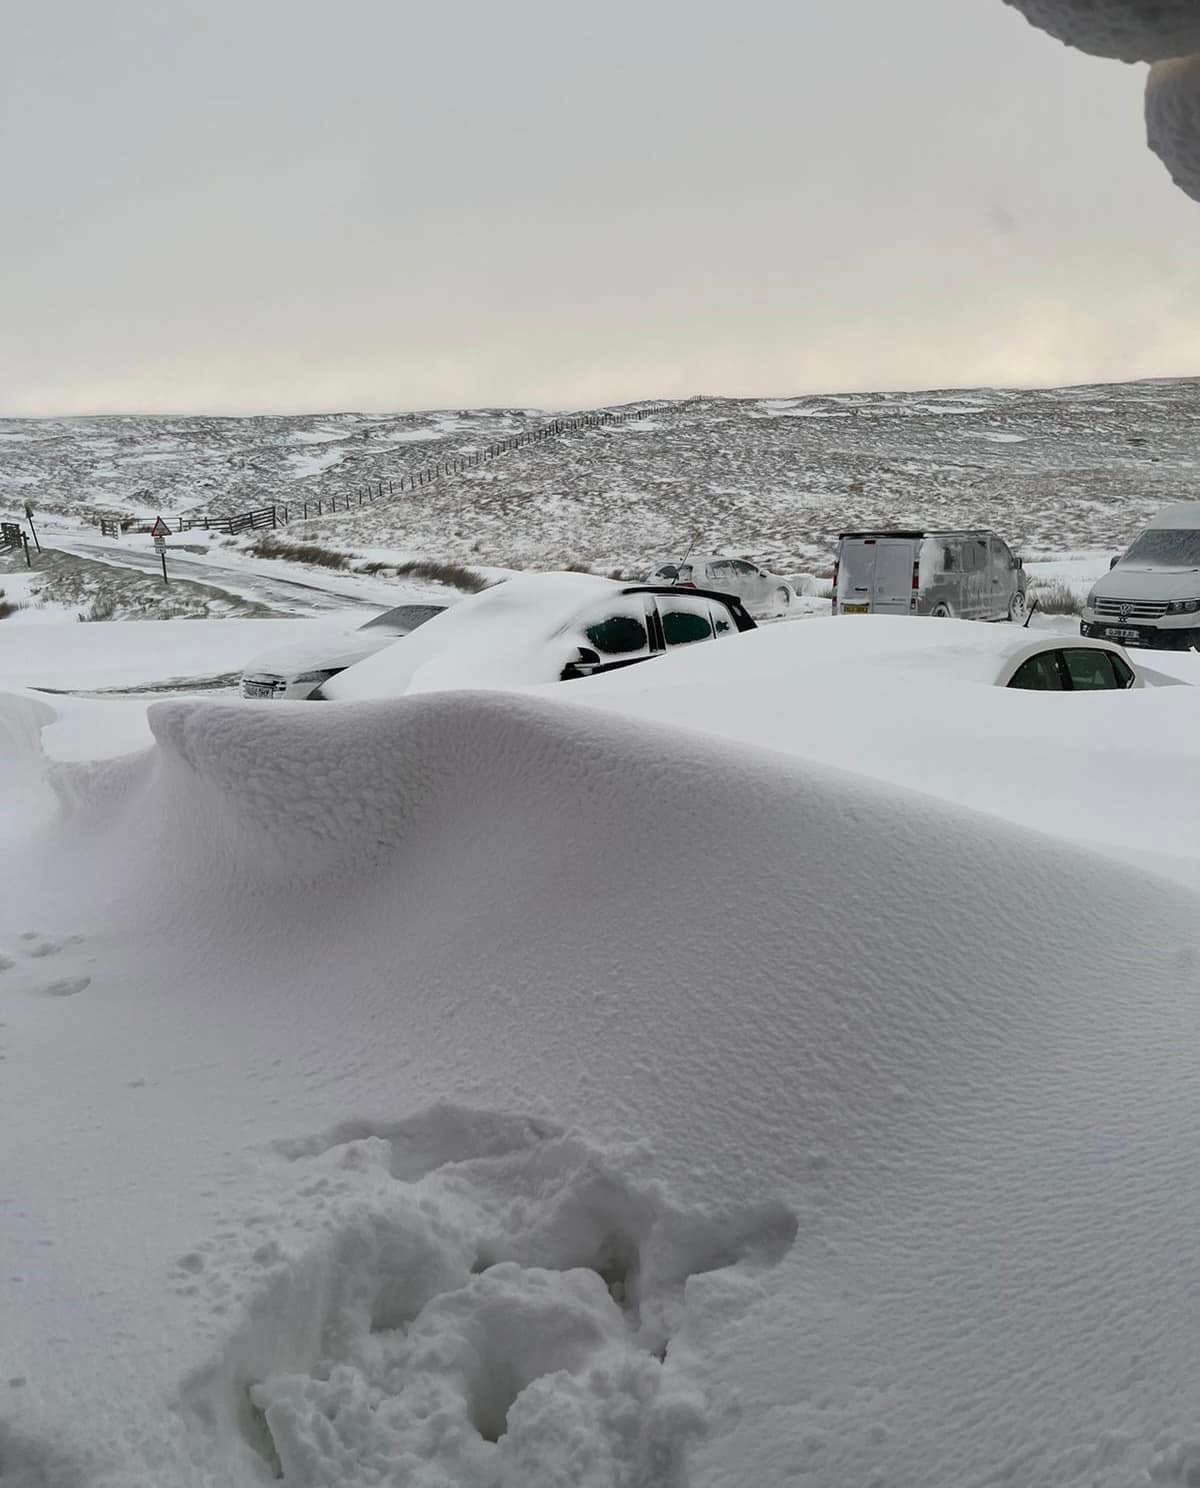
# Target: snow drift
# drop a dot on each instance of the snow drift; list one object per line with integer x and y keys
{"x": 477, "y": 1089}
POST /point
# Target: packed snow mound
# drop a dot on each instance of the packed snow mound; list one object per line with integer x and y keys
{"x": 1126, "y": 30}
{"x": 913, "y": 702}
{"x": 1173, "y": 119}
{"x": 514, "y": 633}
{"x": 480, "y": 1089}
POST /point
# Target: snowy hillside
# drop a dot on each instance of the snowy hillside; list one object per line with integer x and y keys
{"x": 1051, "y": 470}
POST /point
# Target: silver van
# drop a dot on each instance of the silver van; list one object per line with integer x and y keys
{"x": 1151, "y": 593}
{"x": 970, "y": 575}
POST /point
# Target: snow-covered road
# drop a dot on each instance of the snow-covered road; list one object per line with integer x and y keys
{"x": 243, "y": 578}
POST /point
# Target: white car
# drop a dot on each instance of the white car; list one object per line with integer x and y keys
{"x": 761, "y": 592}
{"x": 1151, "y": 594}
{"x": 297, "y": 671}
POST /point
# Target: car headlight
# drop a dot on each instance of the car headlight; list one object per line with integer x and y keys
{"x": 1183, "y": 606}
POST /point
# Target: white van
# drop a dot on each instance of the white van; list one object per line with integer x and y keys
{"x": 1151, "y": 593}
{"x": 967, "y": 575}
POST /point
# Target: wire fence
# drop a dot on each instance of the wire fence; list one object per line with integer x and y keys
{"x": 385, "y": 489}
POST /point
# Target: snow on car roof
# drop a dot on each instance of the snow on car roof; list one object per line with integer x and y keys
{"x": 500, "y": 637}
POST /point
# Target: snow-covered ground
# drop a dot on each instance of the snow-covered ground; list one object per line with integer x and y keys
{"x": 768, "y": 1065}
{"x": 568, "y": 1089}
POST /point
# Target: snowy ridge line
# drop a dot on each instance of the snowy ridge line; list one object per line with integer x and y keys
{"x": 277, "y": 515}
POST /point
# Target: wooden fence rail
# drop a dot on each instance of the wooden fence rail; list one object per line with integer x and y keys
{"x": 384, "y": 489}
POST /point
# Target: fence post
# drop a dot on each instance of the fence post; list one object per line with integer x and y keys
{"x": 306, "y": 511}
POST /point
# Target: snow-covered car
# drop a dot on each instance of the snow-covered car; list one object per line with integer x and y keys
{"x": 543, "y": 628}
{"x": 761, "y": 592}
{"x": 298, "y": 670}
{"x": 965, "y": 575}
{"x": 1151, "y": 594}
{"x": 914, "y": 650}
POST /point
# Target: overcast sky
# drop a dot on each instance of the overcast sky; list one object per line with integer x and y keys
{"x": 293, "y": 205}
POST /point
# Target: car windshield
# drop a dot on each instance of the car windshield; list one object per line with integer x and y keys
{"x": 1166, "y": 547}
{"x": 403, "y": 617}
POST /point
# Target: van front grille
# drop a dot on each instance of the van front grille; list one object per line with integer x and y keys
{"x": 1131, "y": 609}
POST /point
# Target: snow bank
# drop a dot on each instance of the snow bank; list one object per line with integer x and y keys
{"x": 116, "y": 653}
{"x": 909, "y": 702}
{"x": 479, "y": 1089}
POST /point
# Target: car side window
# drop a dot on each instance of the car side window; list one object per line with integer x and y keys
{"x": 722, "y": 619}
{"x": 620, "y": 633}
{"x": 1039, "y": 674}
{"x": 1091, "y": 671}
{"x": 740, "y": 566}
{"x": 721, "y": 570}
{"x": 950, "y": 563}
{"x": 685, "y": 620}
{"x": 1123, "y": 670}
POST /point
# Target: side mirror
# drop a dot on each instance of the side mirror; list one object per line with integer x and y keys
{"x": 1113, "y": 561}
{"x": 587, "y": 662}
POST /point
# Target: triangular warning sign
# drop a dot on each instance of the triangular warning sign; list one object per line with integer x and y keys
{"x": 160, "y": 528}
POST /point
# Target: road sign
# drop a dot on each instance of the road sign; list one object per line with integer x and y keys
{"x": 160, "y": 529}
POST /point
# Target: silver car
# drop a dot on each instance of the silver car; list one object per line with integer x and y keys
{"x": 298, "y": 670}
{"x": 761, "y": 592}
{"x": 967, "y": 575}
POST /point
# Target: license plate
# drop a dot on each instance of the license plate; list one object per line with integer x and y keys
{"x": 856, "y": 609}
{"x": 257, "y": 690}
{"x": 1122, "y": 633}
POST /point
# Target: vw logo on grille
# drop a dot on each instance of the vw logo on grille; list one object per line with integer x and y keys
{"x": 1126, "y": 611}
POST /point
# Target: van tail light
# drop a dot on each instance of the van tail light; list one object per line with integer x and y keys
{"x": 687, "y": 584}
{"x": 836, "y": 566}
{"x": 916, "y": 584}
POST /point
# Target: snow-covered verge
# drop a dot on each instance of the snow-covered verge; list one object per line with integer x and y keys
{"x": 485, "y": 1090}
{"x": 112, "y": 654}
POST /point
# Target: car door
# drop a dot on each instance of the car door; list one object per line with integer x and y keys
{"x": 617, "y": 634}
{"x": 747, "y": 583}
{"x": 1001, "y": 578}
{"x": 892, "y": 584}
{"x": 720, "y": 576}
{"x": 686, "y": 619}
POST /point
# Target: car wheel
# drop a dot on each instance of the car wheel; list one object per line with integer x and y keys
{"x": 783, "y": 598}
{"x": 1017, "y": 608}
{"x": 941, "y": 611}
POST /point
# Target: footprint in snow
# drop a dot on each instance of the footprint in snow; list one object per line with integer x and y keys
{"x": 67, "y": 987}
{"x": 494, "y": 1273}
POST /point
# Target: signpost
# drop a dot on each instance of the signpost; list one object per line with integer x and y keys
{"x": 32, "y": 528}
{"x": 159, "y": 532}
